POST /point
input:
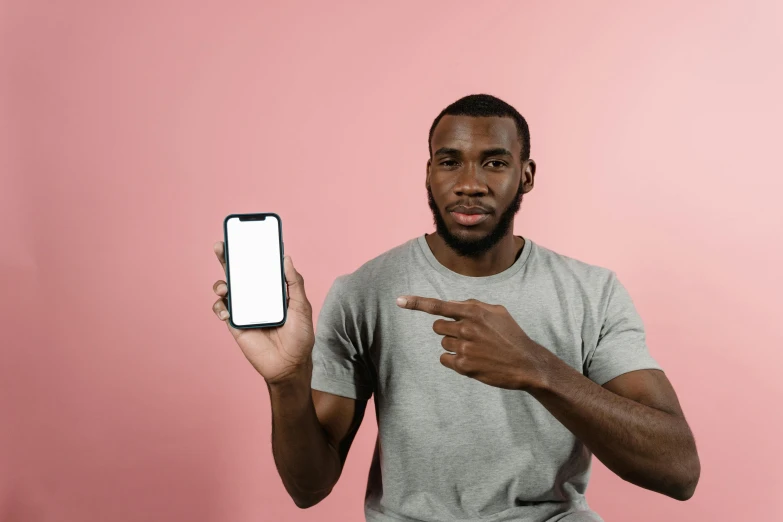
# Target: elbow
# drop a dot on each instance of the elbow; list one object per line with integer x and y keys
{"x": 303, "y": 503}
{"x": 683, "y": 493}
{"x": 686, "y": 485}
{"x": 686, "y": 491}
{"x": 308, "y": 501}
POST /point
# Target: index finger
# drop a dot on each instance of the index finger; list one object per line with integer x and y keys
{"x": 218, "y": 248}
{"x": 433, "y": 306}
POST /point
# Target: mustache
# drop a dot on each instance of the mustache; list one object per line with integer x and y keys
{"x": 469, "y": 205}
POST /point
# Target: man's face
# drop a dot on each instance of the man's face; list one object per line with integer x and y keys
{"x": 475, "y": 181}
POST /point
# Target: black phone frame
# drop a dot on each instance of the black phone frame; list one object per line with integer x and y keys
{"x": 257, "y": 216}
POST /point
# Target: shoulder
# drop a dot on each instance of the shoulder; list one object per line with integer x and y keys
{"x": 585, "y": 276}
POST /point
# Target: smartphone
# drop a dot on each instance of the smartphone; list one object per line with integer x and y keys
{"x": 254, "y": 270}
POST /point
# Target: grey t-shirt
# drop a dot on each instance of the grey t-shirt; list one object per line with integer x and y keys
{"x": 452, "y": 448}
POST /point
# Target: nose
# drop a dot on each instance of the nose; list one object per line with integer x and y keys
{"x": 470, "y": 182}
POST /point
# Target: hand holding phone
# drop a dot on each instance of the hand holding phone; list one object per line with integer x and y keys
{"x": 279, "y": 351}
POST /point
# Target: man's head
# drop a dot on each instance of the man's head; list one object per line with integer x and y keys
{"x": 478, "y": 170}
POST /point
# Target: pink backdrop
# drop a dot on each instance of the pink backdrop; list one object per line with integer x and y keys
{"x": 130, "y": 129}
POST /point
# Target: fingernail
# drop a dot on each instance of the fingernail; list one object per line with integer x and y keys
{"x": 401, "y": 301}
{"x": 224, "y": 315}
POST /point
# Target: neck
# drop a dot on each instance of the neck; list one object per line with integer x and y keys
{"x": 495, "y": 261}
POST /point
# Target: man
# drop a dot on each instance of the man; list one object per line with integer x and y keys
{"x": 498, "y": 371}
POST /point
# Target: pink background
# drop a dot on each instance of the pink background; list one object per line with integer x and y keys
{"x": 128, "y": 130}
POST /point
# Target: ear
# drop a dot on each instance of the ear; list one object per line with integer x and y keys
{"x": 427, "y": 178}
{"x": 528, "y": 175}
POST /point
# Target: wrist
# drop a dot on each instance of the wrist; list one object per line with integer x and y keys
{"x": 291, "y": 396}
{"x": 297, "y": 378}
{"x": 542, "y": 372}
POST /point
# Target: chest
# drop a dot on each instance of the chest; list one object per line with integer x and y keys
{"x": 406, "y": 352}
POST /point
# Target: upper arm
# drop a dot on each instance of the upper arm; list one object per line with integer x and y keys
{"x": 620, "y": 346}
{"x": 342, "y": 380}
{"x": 649, "y": 387}
{"x": 340, "y": 418}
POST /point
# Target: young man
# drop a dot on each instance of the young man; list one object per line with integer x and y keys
{"x": 498, "y": 366}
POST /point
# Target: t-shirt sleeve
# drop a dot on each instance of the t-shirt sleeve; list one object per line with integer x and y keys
{"x": 621, "y": 346}
{"x": 339, "y": 364}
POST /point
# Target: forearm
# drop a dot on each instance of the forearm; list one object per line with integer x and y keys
{"x": 308, "y": 465}
{"x": 648, "y": 447}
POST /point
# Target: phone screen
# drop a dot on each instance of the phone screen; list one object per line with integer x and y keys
{"x": 254, "y": 264}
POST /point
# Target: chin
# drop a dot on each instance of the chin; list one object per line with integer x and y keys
{"x": 475, "y": 232}
{"x": 468, "y": 235}
{"x": 467, "y": 240}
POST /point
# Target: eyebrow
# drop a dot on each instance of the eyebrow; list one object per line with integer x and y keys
{"x": 495, "y": 152}
{"x": 446, "y": 151}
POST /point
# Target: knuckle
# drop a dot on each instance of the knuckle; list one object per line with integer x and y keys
{"x": 465, "y": 330}
{"x": 463, "y": 365}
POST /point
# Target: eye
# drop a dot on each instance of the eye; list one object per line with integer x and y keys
{"x": 448, "y": 163}
{"x": 496, "y": 164}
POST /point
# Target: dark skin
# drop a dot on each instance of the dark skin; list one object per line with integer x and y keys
{"x": 477, "y": 161}
{"x": 311, "y": 430}
{"x": 633, "y": 424}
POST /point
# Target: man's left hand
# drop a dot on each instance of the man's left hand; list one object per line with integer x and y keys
{"x": 484, "y": 342}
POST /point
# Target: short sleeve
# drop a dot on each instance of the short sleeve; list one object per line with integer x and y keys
{"x": 339, "y": 365}
{"x": 621, "y": 346}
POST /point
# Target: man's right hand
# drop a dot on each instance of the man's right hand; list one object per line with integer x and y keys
{"x": 278, "y": 353}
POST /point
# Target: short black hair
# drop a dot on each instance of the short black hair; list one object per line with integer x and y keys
{"x": 481, "y": 105}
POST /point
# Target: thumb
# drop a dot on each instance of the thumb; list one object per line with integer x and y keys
{"x": 295, "y": 281}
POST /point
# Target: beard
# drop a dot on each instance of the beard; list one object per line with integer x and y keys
{"x": 475, "y": 247}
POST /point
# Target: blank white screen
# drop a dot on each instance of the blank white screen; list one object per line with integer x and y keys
{"x": 256, "y": 287}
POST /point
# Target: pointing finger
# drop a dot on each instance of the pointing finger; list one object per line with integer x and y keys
{"x": 433, "y": 306}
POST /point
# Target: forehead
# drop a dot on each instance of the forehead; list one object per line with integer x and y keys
{"x": 470, "y": 132}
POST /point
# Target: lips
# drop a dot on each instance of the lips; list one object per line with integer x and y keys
{"x": 469, "y": 216}
{"x": 469, "y": 220}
